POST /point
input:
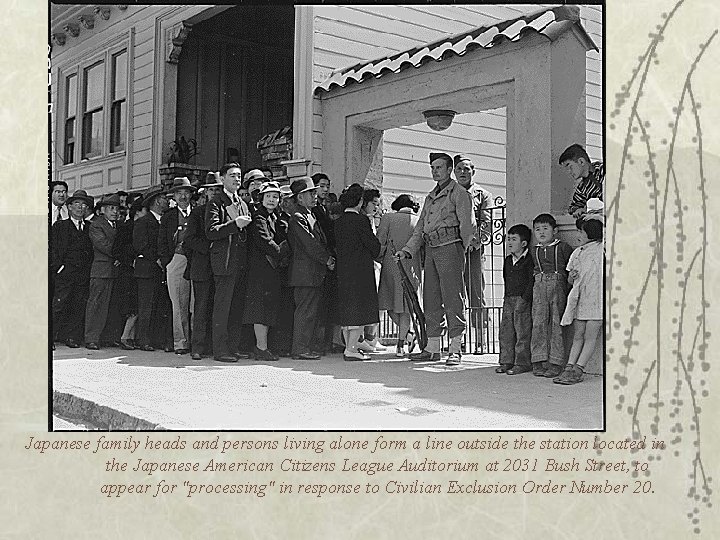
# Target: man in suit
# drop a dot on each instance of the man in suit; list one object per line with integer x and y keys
{"x": 325, "y": 325}
{"x": 171, "y": 250}
{"x": 475, "y": 259}
{"x": 199, "y": 271}
{"x": 58, "y": 196}
{"x": 226, "y": 217}
{"x": 148, "y": 268}
{"x": 103, "y": 272}
{"x": 72, "y": 255}
{"x": 311, "y": 259}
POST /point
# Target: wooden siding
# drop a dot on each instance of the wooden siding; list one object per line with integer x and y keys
{"x": 345, "y": 35}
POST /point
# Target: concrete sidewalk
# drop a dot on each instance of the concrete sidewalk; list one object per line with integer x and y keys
{"x": 118, "y": 389}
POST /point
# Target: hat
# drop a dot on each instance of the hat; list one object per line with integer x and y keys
{"x": 83, "y": 196}
{"x": 457, "y": 159}
{"x": 182, "y": 182}
{"x": 270, "y": 187}
{"x": 438, "y": 155}
{"x": 212, "y": 179}
{"x": 252, "y": 174}
{"x": 301, "y": 185}
{"x": 150, "y": 194}
{"x": 285, "y": 191}
{"x": 109, "y": 200}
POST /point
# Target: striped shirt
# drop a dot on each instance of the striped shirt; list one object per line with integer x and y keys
{"x": 589, "y": 187}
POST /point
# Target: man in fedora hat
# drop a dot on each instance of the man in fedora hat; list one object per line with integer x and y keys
{"x": 148, "y": 268}
{"x": 171, "y": 250}
{"x": 445, "y": 227}
{"x": 104, "y": 270}
{"x": 311, "y": 259}
{"x": 226, "y": 218}
{"x": 71, "y": 258}
{"x": 199, "y": 271}
{"x": 474, "y": 262}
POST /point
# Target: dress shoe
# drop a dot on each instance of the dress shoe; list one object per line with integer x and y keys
{"x": 307, "y": 356}
{"x": 365, "y": 346}
{"x": 264, "y": 355}
{"x": 196, "y": 356}
{"x": 454, "y": 359}
{"x": 503, "y": 368}
{"x": 553, "y": 371}
{"x": 227, "y": 358}
{"x": 517, "y": 370}
{"x": 355, "y": 356}
{"x": 400, "y": 351}
{"x": 146, "y": 348}
{"x": 539, "y": 369}
{"x": 181, "y": 351}
{"x": 241, "y": 355}
{"x": 126, "y": 346}
{"x": 425, "y": 356}
{"x": 72, "y": 344}
{"x": 92, "y": 346}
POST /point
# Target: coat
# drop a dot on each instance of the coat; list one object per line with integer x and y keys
{"x": 71, "y": 249}
{"x": 228, "y": 247}
{"x": 310, "y": 253}
{"x": 125, "y": 286}
{"x": 326, "y": 224}
{"x": 167, "y": 235}
{"x": 102, "y": 236}
{"x": 393, "y": 232}
{"x": 269, "y": 250}
{"x": 357, "y": 248}
{"x": 197, "y": 247}
{"x": 145, "y": 235}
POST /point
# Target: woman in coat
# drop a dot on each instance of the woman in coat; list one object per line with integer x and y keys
{"x": 269, "y": 251}
{"x": 393, "y": 232}
{"x": 357, "y": 248}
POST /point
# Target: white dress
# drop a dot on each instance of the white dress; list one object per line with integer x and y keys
{"x": 585, "y": 300}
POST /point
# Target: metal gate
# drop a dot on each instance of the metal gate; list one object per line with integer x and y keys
{"x": 481, "y": 337}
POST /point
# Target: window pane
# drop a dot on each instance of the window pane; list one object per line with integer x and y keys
{"x": 120, "y": 75}
{"x": 69, "y": 156}
{"x": 94, "y": 86}
{"x": 92, "y": 134}
{"x": 117, "y": 126}
{"x": 71, "y": 96}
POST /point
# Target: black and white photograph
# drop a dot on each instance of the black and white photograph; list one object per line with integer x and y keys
{"x": 326, "y": 217}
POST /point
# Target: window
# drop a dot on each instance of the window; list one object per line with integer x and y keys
{"x": 70, "y": 111}
{"x": 92, "y": 126}
{"x": 118, "y": 108}
{"x": 95, "y": 106}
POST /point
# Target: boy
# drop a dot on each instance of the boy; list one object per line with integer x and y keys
{"x": 550, "y": 256}
{"x": 516, "y": 323}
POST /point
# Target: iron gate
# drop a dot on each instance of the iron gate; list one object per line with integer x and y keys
{"x": 481, "y": 338}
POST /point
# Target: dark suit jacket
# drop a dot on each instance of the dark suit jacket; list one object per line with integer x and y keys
{"x": 310, "y": 254}
{"x": 228, "y": 248}
{"x": 102, "y": 236}
{"x": 122, "y": 247}
{"x": 145, "y": 235}
{"x": 70, "y": 248}
{"x": 197, "y": 247}
{"x": 326, "y": 223}
{"x": 166, "y": 237}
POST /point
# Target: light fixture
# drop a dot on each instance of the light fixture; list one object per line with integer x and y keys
{"x": 439, "y": 120}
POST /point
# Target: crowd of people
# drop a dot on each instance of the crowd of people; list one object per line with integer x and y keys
{"x": 241, "y": 266}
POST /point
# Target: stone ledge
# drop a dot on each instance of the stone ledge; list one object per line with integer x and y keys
{"x": 105, "y": 418}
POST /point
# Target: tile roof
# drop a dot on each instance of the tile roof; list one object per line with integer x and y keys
{"x": 550, "y": 23}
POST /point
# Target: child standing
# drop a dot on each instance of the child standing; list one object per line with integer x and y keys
{"x": 549, "y": 298}
{"x": 585, "y": 302}
{"x": 516, "y": 322}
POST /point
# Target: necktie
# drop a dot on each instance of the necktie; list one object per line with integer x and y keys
{"x": 58, "y": 213}
{"x": 80, "y": 225}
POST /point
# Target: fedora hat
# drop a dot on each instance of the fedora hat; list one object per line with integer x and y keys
{"x": 252, "y": 174}
{"x": 212, "y": 179}
{"x": 301, "y": 185}
{"x": 150, "y": 194}
{"x": 109, "y": 200}
{"x": 182, "y": 182}
{"x": 285, "y": 191}
{"x": 81, "y": 194}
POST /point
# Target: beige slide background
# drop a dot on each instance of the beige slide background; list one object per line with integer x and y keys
{"x": 661, "y": 379}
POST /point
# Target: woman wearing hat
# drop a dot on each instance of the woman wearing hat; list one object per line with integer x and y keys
{"x": 269, "y": 250}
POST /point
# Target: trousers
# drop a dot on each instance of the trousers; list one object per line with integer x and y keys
{"x": 179, "y": 291}
{"x": 444, "y": 290}
{"x": 515, "y": 332}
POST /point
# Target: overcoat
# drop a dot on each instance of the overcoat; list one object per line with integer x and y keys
{"x": 357, "y": 248}
{"x": 102, "y": 236}
{"x": 145, "y": 236}
{"x": 394, "y": 231}
{"x": 310, "y": 253}
{"x": 197, "y": 247}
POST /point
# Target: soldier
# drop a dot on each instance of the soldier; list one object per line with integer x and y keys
{"x": 445, "y": 227}
{"x": 474, "y": 278}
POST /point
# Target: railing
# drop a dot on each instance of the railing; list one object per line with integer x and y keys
{"x": 484, "y": 339}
